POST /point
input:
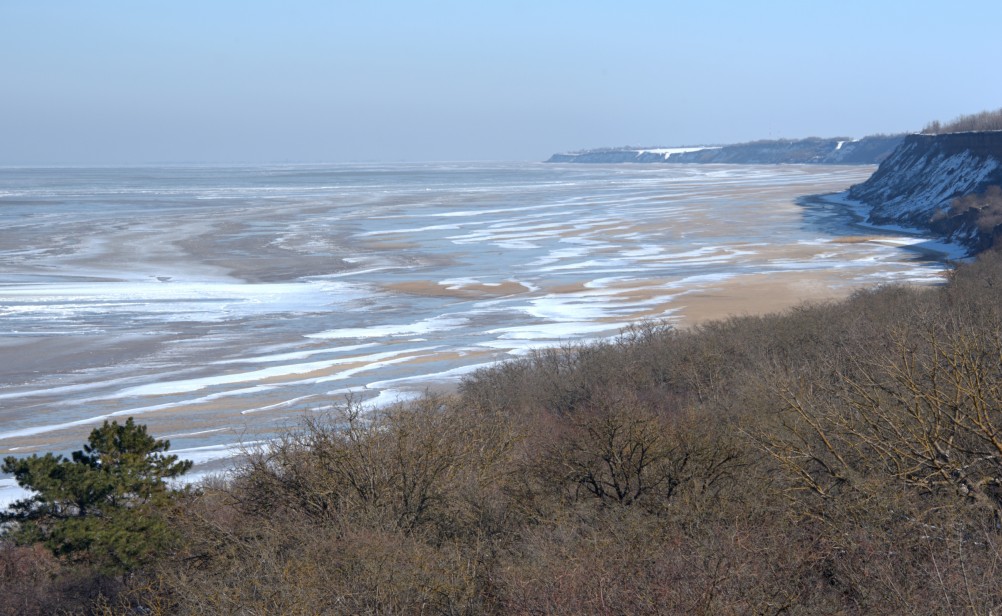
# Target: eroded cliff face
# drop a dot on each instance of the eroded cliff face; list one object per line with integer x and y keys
{"x": 917, "y": 184}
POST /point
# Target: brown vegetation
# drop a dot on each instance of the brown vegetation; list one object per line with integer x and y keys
{"x": 983, "y": 121}
{"x": 984, "y": 208}
{"x": 841, "y": 458}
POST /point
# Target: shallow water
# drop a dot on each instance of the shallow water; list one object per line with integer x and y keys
{"x": 217, "y": 304}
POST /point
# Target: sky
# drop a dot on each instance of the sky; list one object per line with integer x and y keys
{"x": 127, "y": 82}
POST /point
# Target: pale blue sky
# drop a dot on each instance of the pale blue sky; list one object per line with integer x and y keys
{"x": 141, "y": 81}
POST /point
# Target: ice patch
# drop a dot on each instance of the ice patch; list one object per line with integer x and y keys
{"x": 190, "y": 434}
{"x": 211, "y": 453}
{"x": 389, "y": 397}
{"x": 340, "y": 376}
{"x": 189, "y": 385}
{"x": 172, "y": 301}
{"x": 604, "y": 283}
{"x": 280, "y": 405}
{"x": 265, "y": 359}
{"x": 425, "y": 326}
{"x": 509, "y": 210}
{"x": 10, "y": 492}
{"x": 411, "y": 230}
{"x": 552, "y": 331}
{"x": 445, "y": 375}
{"x": 46, "y": 428}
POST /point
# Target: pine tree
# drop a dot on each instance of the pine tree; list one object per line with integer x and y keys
{"x": 104, "y": 505}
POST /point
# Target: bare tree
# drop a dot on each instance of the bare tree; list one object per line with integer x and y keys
{"x": 983, "y": 121}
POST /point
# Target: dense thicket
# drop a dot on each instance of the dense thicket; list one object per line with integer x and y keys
{"x": 985, "y": 120}
{"x": 842, "y": 458}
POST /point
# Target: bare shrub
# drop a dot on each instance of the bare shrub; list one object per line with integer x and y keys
{"x": 928, "y": 417}
{"x": 619, "y": 452}
{"x": 983, "y": 121}
{"x": 288, "y": 568}
{"x": 26, "y": 574}
{"x": 984, "y": 207}
{"x": 402, "y": 469}
{"x": 399, "y": 511}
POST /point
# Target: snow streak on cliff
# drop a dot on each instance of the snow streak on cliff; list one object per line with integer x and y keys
{"x": 918, "y": 182}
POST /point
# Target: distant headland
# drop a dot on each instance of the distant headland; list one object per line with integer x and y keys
{"x": 812, "y": 150}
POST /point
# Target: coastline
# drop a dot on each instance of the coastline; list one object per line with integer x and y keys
{"x": 925, "y": 243}
{"x": 391, "y": 298}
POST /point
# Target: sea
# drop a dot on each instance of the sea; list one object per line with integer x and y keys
{"x": 219, "y": 304}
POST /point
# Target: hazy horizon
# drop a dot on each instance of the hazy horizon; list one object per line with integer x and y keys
{"x": 113, "y": 83}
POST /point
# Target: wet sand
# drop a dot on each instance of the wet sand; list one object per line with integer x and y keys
{"x": 441, "y": 289}
{"x": 758, "y": 295}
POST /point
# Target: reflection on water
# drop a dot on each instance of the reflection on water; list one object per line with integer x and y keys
{"x": 218, "y": 303}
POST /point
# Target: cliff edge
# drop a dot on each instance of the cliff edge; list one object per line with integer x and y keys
{"x": 940, "y": 183}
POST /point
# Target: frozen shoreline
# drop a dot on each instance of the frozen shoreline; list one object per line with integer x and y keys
{"x": 914, "y": 239}
{"x": 224, "y": 314}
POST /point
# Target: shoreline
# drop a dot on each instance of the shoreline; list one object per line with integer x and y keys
{"x": 398, "y": 291}
{"x": 926, "y": 243}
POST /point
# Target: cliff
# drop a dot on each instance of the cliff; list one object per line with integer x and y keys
{"x": 917, "y": 186}
{"x": 813, "y": 150}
